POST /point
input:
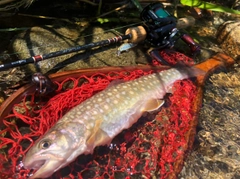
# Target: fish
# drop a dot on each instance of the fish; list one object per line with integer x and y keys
{"x": 97, "y": 120}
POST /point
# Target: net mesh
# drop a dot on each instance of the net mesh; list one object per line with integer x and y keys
{"x": 152, "y": 147}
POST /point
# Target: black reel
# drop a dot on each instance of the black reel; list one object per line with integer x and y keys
{"x": 161, "y": 29}
{"x": 160, "y": 26}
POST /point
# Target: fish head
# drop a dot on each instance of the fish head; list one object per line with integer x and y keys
{"x": 49, "y": 153}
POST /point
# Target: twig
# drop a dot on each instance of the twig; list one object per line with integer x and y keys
{"x": 2, "y": 2}
{"x": 117, "y": 9}
{"x": 18, "y": 4}
{"x": 89, "y": 2}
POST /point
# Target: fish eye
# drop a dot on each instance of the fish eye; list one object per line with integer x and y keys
{"x": 45, "y": 144}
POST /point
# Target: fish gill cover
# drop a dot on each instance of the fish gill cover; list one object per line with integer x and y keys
{"x": 154, "y": 147}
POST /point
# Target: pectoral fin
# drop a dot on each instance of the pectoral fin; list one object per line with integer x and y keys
{"x": 98, "y": 136}
{"x": 153, "y": 105}
{"x": 94, "y": 131}
{"x": 169, "y": 89}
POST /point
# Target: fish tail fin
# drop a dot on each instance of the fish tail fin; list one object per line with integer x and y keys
{"x": 190, "y": 71}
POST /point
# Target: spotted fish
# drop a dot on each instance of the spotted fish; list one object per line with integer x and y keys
{"x": 97, "y": 120}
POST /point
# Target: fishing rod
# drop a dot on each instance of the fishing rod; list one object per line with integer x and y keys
{"x": 133, "y": 35}
{"x": 159, "y": 30}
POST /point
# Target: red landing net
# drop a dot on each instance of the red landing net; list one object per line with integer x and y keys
{"x": 149, "y": 149}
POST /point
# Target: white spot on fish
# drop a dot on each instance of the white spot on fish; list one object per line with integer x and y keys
{"x": 88, "y": 107}
{"x": 106, "y": 107}
{"x": 126, "y": 102}
{"x": 166, "y": 77}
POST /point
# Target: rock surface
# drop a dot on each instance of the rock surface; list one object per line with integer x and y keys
{"x": 228, "y": 37}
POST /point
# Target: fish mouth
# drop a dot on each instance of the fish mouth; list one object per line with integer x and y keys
{"x": 36, "y": 164}
{"x": 43, "y": 168}
{"x": 35, "y": 161}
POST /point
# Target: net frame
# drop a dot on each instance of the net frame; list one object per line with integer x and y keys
{"x": 168, "y": 165}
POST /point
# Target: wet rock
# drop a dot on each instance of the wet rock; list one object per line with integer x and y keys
{"x": 228, "y": 38}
